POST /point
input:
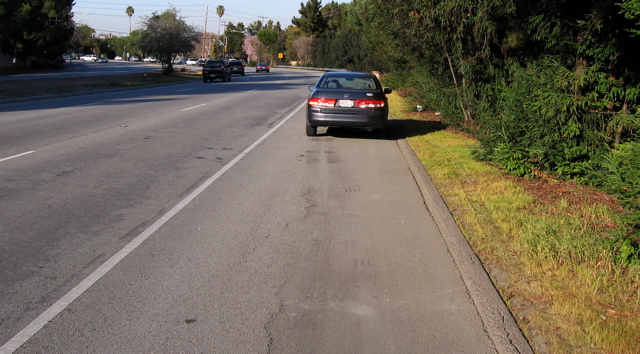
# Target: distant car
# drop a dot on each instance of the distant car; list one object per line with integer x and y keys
{"x": 89, "y": 57}
{"x": 236, "y": 66}
{"x": 134, "y": 58}
{"x": 202, "y": 61}
{"x": 192, "y": 61}
{"x": 216, "y": 69}
{"x": 103, "y": 60}
{"x": 181, "y": 61}
{"x": 150, "y": 60}
{"x": 262, "y": 67}
{"x": 117, "y": 57}
{"x": 348, "y": 99}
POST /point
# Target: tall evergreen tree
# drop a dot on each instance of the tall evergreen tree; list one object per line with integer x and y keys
{"x": 36, "y": 30}
{"x": 311, "y": 21}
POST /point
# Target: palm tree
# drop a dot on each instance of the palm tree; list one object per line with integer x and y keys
{"x": 220, "y": 12}
{"x": 129, "y": 12}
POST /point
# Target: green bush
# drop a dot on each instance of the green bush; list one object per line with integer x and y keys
{"x": 547, "y": 115}
{"x": 618, "y": 173}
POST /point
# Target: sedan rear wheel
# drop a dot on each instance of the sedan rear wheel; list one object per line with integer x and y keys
{"x": 311, "y": 131}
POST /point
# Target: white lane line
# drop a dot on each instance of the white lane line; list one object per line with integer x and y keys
{"x": 37, "y": 324}
{"x": 200, "y": 105}
{"x": 14, "y": 156}
{"x": 184, "y": 90}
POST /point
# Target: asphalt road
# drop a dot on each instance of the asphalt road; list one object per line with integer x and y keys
{"x": 200, "y": 218}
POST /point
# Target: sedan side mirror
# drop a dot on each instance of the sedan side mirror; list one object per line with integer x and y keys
{"x": 311, "y": 87}
{"x": 387, "y": 90}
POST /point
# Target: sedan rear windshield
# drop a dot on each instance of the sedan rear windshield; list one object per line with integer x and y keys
{"x": 214, "y": 64}
{"x": 349, "y": 83}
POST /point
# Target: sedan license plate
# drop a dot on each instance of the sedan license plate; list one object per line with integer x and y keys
{"x": 345, "y": 103}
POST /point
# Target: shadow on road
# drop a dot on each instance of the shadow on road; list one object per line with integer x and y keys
{"x": 397, "y": 129}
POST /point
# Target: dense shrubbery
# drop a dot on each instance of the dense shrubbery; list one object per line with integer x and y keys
{"x": 548, "y": 87}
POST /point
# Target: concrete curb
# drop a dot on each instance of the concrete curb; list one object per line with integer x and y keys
{"x": 498, "y": 320}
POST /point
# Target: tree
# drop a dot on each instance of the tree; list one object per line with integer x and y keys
{"x": 303, "y": 49}
{"x": 167, "y": 34}
{"x": 311, "y": 21}
{"x": 133, "y": 42}
{"x": 631, "y": 10}
{"x": 129, "y": 11}
{"x": 235, "y": 38}
{"x": 333, "y": 14}
{"x": 82, "y": 40}
{"x": 220, "y": 12}
{"x": 249, "y": 48}
{"x": 269, "y": 39}
{"x": 255, "y": 50}
{"x": 36, "y": 30}
{"x": 254, "y": 27}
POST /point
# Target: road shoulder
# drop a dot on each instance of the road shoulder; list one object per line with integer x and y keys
{"x": 498, "y": 320}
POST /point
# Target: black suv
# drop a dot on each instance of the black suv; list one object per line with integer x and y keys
{"x": 216, "y": 69}
{"x": 237, "y": 67}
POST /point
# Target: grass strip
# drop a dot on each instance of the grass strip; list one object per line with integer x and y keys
{"x": 49, "y": 86}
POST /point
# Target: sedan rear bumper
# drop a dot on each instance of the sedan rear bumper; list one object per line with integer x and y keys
{"x": 355, "y": 118}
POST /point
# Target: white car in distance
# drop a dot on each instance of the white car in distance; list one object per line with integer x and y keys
{"x": 89, "y": 57}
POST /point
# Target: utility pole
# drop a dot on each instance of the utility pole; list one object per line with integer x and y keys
{"x": 262, "y": 21}
{"x": 205, "y": 41}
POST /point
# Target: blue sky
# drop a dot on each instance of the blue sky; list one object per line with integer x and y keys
{"x": 109, "y": 16}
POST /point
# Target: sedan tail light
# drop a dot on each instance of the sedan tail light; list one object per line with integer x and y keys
{"x": 369, "y": 103}
{"x": 322, "y": 102}
{"x": 330, "y": 102}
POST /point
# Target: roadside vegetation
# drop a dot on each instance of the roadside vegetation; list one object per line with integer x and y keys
{"x": 550, "y": 89}
{"x": 543, "y": 241}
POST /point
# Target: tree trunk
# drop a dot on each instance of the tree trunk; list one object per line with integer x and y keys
{"x": 620, "y": 129}
{"x": 465, "y": 111}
